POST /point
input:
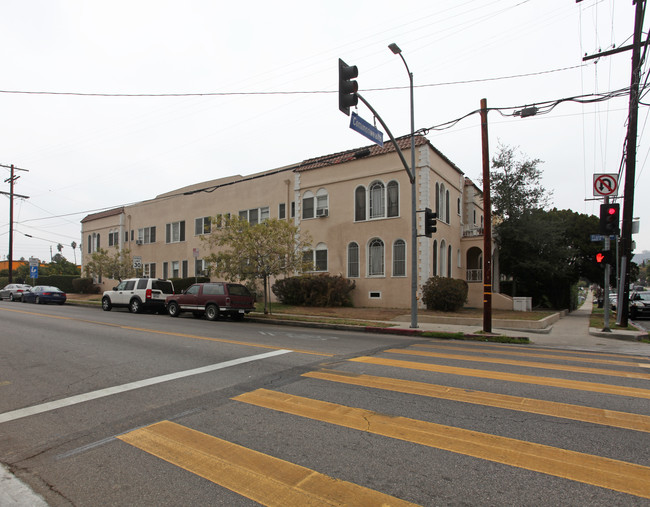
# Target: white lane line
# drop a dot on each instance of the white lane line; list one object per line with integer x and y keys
{"x": 80, "y": 398}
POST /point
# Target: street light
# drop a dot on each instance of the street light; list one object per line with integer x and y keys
{"x": 414, "y": 252}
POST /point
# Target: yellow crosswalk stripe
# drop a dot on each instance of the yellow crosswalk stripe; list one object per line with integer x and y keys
{"x": 260, "y": 477}
{"x": 614, "y": 418}
{"x": 529, "y": 364}
{"x": 589, "y": 469}
{"x": 558, "y": 357}
{"x": 509, "y": 377}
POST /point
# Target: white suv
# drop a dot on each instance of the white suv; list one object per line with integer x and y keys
{"x": 138, "y": 294}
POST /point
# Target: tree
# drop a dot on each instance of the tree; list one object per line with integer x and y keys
{"x": 118, "y": 265}
{"x": 62, "y": 266}
{"x": 74, "y": 250}
{"x": 248, "y": 252}
{"x": 515, "y": 186}
{"x": 545, "y": 252}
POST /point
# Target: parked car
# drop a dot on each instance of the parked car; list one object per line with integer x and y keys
{"x": 14, "y": 291}
{"x": 212, "y": 299}
{"x": 138, "y": 294}
{"x": 639, "y": 304}
{"x": 42, "y": 294}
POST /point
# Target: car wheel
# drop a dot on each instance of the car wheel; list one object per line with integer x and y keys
{"x": 11, "y": 297}
{"x": 211, "y": 312}
{"x": 173, "y": 309}
{"x": 37, "y": 300}
{"x": 135, "y": 306}
{"x": 106, "y": 304}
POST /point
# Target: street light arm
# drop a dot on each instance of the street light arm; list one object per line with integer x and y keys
{"x": 397, "y": 148}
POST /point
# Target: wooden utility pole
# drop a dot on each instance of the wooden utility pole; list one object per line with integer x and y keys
{"x": 11, "y": 180}
{"x": 630, "y": 166}
{"x": 487, "y": 224}
{"x": 630, "y": 160}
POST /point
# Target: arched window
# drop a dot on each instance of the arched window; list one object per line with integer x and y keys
{"x": 447, "y": 206}
{"x": 458, "y": 206}
{"x": 359, "y": 204}
{"x": 308, "y": 205}
{"x": 320, "y": 257}
{"x": 392, "y": 196}
{"x": 443, "y": 258}
{"x": 377, "y": 200}
{"x": 449, "y": 262}
{"x": 98, "y": 243}
{"x": 399, "y": 258}
{"x": 443, "y": 205}
{"x": 437, "y": 197}
{"x": 353, "y": 260}
{"x": 322, "y": 203}
{"x": 90, "y": 244}
{"x": 435, "y": 257}
{"x": 376, "y": 257}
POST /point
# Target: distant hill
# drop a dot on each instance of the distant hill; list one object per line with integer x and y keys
{"x": 640, "y": 257}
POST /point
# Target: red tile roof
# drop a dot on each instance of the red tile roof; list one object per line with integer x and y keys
{"x": 103, "y": 214}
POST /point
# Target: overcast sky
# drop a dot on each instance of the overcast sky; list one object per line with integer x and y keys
{"x": 88, "y": 153}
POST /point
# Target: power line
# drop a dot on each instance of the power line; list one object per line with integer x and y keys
{"x": 290, "y": 92}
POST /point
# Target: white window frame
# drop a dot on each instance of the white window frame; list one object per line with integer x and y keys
{"x": 372, "y": 271}
{"x": 354, "y": 245}
{"x": 202, "y": 225}
{"x": 402, "y": 261}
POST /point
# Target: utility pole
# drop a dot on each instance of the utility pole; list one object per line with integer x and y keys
{"x": 487, "y": 224}
{"x": 630, "y": 160}
{"x": 630, "y": 166}
{"x": 11, "y": 180}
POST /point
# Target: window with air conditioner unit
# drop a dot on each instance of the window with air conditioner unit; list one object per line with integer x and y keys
{"x": 322, "y": 212}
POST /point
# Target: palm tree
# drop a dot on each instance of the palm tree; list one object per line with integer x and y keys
{"x": 74, "y": 251}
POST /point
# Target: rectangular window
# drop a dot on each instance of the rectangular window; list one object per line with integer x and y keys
{"x": 282, "y": 211}
{"x": 321, "y": 202}
{"x": 255, "y": 215}
{"x": 175, "y": 232}
{"x": 202, "y": 225}
{"x": 176, "y": 269}
{"x": 149, "y": 270}
{"x": 147, "y": 235}
{"x": 184, "y": 269}
{"x": 293, "y": 209}
{"x": 199, "y": 267}
{"x": 165, "y": 270}
{"x": 126, "y": 236}
{"x": 113, "y": 238}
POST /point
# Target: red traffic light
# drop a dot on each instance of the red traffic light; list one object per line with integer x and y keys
{"x": 611, "y": 210}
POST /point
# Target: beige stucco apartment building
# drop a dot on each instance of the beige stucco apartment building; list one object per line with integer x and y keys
{"x": 355, "y": 205}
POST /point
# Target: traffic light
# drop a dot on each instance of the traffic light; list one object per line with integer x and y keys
{"x": 609, "y": 219}
{"x": 347, "y": 87}
{"x": 429, "y": 222}
{"x": 604, "y": 257}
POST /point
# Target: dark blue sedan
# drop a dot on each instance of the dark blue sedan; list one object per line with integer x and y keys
{"x": 42, "y": 294}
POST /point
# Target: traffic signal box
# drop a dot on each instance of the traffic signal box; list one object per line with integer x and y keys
{"x": 347, "y": 87}
{"x": 429, "y": 222}
{"x": 604, "y": 257}
{"x": 609, "y": 219}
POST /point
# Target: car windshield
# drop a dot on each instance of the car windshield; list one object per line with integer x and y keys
{"x": 50, "y": 289}
{"x": 645, "y": 296}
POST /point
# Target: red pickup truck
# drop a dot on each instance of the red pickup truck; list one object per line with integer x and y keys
{"x": 212, "y": 299}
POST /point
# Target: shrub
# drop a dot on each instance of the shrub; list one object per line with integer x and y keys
{"x": 62, "y": 282}
{"x": 314, "y": 290}
{"x": 84, "y": 286}
{"x": 444, "y": 294}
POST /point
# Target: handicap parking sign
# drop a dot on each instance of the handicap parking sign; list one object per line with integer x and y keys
{"x": 33, "y": 271}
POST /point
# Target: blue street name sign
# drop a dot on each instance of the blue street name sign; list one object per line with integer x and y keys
{"x": 364, "y": 128}
{"x": 600, "y": 237}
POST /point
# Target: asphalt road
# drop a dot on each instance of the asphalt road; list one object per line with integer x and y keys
{"x": 110, "y": 408}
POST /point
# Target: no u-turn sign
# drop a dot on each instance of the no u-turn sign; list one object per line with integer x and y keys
{"x": 605, "y": 185}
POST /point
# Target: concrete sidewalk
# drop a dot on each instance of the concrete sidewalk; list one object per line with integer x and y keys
{"x": 571, "y": 331}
